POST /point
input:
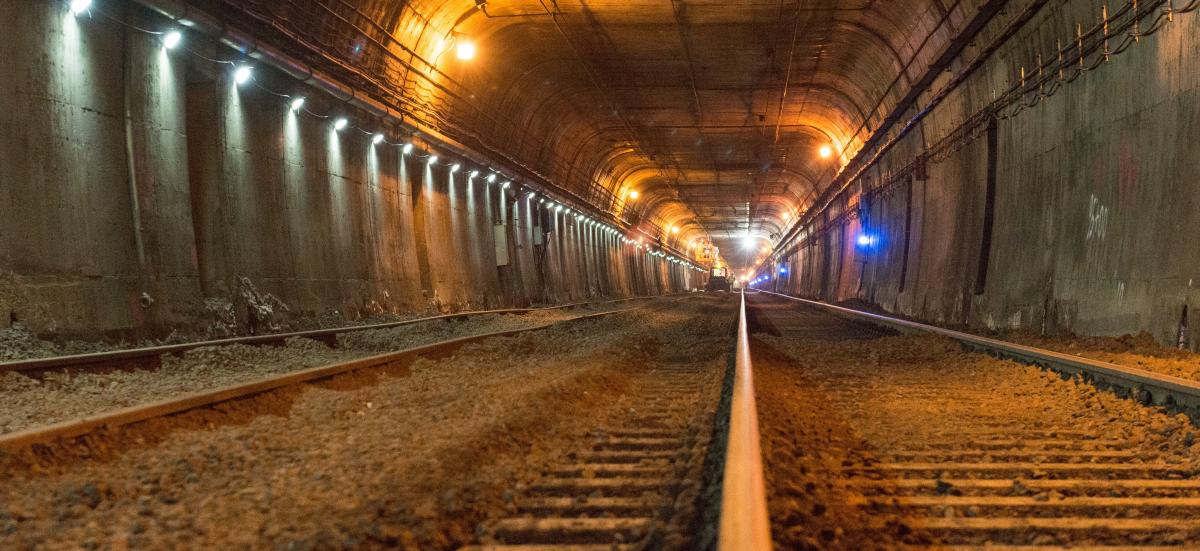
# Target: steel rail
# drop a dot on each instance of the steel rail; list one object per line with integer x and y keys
{"x": 1145, "y": 386}
{"x": 744, "y": 524}
{"x": 134, "y": 414}
{"x": 328, "y": 336}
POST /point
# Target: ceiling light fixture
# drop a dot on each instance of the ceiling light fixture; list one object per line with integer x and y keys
{"x": 172, "y": 39}
{"x": 242, "y": 74}
{"x": 465, "y": 50}
{"x": 79, "y": 6}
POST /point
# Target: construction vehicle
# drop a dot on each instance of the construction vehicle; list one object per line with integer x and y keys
{"x": 718, "y": 279}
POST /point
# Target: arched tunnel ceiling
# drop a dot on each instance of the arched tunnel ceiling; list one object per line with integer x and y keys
{"x": 713, "y": 110}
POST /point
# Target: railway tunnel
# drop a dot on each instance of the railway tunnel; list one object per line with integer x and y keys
{"x": 599, "y": 274}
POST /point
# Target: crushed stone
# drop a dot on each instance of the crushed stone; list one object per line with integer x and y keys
{"x": 410, "y": 459}
{"x": 826, "y": 405}
{"x": 57, "y": 397}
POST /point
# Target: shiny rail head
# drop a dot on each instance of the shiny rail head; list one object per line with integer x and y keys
{"x": 744, "y": 522}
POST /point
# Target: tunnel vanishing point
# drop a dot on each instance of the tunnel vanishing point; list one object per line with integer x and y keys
{"x": 227, "y": 166}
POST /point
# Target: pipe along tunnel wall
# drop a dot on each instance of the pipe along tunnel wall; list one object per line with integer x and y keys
{"x": 1094, "y": 197}
{"x": 225, "y": 212}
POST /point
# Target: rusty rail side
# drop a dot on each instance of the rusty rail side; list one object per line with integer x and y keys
{"x": 744, "y": 525}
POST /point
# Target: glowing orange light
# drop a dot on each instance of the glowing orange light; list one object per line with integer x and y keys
{"x": 674, "y": 229}
{"x": 465, "y": 50}
{"x": 825, "y": 152}
{"x": 633, "y": 194}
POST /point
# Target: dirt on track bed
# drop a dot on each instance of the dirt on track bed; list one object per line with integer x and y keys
{"x": 843, "y": 418}
{"x": 1140, "y": 351}
{"x": 30, "y": 402}
{"x": 412, "y": 457}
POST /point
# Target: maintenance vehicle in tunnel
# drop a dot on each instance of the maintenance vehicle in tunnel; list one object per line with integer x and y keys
{"x": 718, "y": 280}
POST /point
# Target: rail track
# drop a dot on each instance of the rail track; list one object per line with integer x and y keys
{"x": 989, "y": 476}
{"x": 642, "y": 479}
{"x": 1147, "y": 387}
{"x": 682, "y": 468}
{"x": 680, "y": 471}
{"x": 636, "y": 482}
{"x": 150, "y": 357}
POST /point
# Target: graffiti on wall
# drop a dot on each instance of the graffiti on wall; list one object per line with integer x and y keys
{"x": 1097, "y": 219}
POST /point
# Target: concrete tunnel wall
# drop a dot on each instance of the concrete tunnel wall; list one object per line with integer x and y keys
{"x": 1096, "y": 196}
{"x": 246, "y": 215}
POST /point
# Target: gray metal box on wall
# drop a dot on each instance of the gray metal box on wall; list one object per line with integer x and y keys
{"x": 501, "y": 244}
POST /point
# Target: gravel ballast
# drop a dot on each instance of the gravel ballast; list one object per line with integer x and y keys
{"x": 413, "y": 457}
{"x": 30, "y": 402}
{"x": 833, "y": 409}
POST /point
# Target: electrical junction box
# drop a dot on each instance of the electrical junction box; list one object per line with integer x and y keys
{"x": 501, "y": 244}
